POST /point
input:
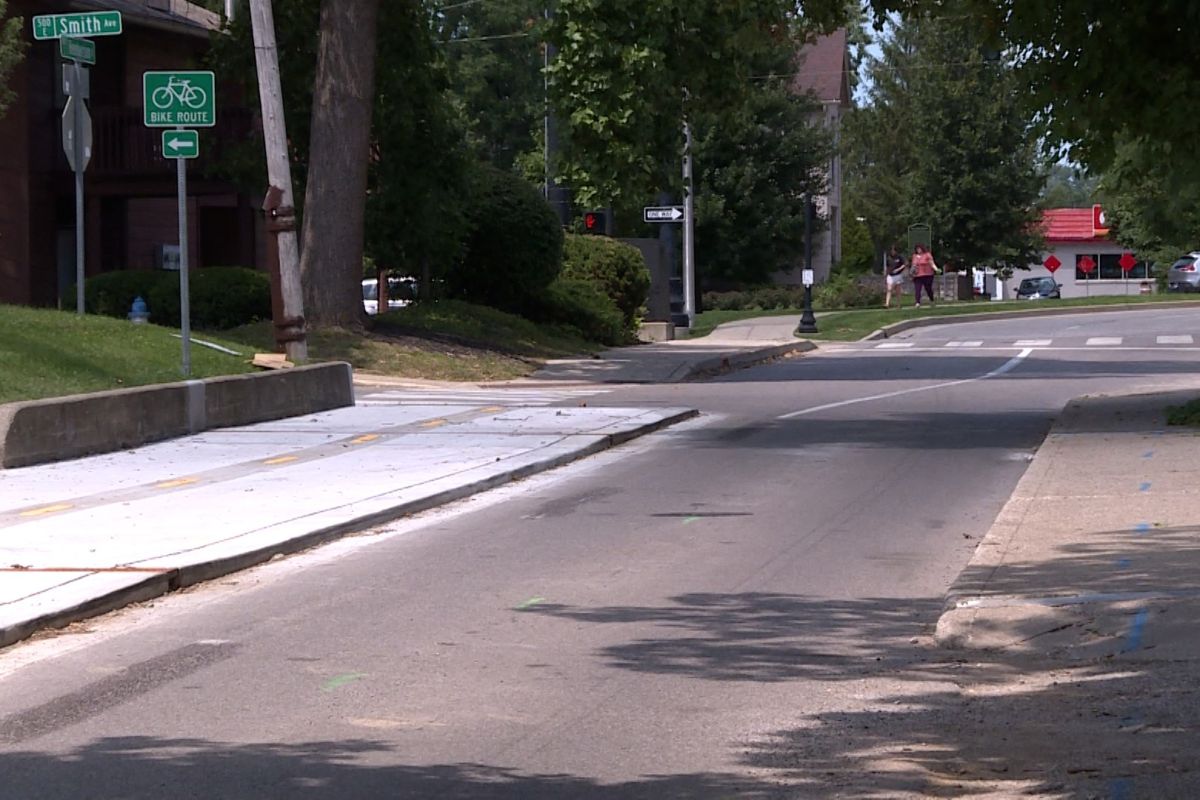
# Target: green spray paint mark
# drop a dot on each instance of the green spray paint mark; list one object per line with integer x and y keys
{"x": 339, "y": 681}
{"x": 689, "y": 520}
{"x": 533, "y": 601}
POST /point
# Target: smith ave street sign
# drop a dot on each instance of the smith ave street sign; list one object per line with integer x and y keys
{"x": 97, "y": 23}
{"x": 662, "y": 214}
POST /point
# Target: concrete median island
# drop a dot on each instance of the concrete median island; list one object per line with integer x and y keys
{"x": 58, "y": 428}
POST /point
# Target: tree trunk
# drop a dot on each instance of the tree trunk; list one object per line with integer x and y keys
{"x": 336, "y": 195}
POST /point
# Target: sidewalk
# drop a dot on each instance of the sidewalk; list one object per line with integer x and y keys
{"x": 1078, "y": 618}
{"x": 730, "y": 346}
{"x": 89, "y": 535}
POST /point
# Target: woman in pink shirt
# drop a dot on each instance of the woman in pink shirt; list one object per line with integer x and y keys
{"x": 923, "y": 268}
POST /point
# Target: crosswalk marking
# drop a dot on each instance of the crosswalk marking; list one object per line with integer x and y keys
{"x": 1032, "y": 343}
{"x": 493, "y": 398}
{"x": 1181, "y": 339}
{"x": 964, "y": 344}
{"x": 893, "y": 345}
{"x": 1104, "y": 341}
{"x": 1185, "y": 338}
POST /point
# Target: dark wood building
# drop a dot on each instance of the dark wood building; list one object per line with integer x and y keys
{"x": 131, "y": 211}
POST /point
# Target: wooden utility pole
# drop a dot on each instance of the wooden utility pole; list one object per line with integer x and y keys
{"x": 290, "y": 329}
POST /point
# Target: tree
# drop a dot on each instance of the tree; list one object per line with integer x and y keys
{"x": 627, "y": 75}
{"x": 946, "y": 143}
{"x": 756, "y": 162}
{"x": 1148, "y": 217}
{"x": 494, "y": 62}
{"x": 331, "y": 241}
{"x": 1068, "y": 187}
{"x": 12, "y": 50}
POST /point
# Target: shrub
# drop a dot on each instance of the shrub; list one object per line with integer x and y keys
{"x": 218, "y": 297}
{"x": 513, "y": 248}
{"x": 110, "y": 294}
{"x": 579, "y": 304}
{"x": 618, "y": 269}
{"x": 845, "y": 291}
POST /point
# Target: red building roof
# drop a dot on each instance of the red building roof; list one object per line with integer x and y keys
{"x": 1068, "y": 225}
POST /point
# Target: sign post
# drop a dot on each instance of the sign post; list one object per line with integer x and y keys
{"x": 173, "y": 100}
{"x": 77, "y": 146}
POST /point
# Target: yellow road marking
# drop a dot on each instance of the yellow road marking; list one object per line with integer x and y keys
{"x": 177, "y": 482}
{"x": 433, "y": 423}
{"x": 491, "y": 409}
{"x": 37, "y": 512}
{"x": 281, "y": 460}
{"x": 367, "y": 437}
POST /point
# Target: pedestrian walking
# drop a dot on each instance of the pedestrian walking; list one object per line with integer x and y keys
{"x": 923, "y": 270}
{"x": 893, "y": 267}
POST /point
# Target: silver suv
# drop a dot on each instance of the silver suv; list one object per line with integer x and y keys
{"x": 1184, "y": 275}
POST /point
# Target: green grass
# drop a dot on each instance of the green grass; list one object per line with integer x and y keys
{"x": 853, "y": 324}
{"x": 1187, "y": 414}
{"x": 54, "y": 353}
{"x": 47, "y": 353}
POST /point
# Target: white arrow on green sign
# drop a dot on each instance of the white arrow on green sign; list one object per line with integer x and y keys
{"x": 96, "y": 23}
{"x": 80, "y": 50}
{"x": 180, "y": 144}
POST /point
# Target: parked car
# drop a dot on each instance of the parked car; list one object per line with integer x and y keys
{"x": 1038, "y": 289}
{"x": 401, "y": 292}
{"x": 1184, "y": 275}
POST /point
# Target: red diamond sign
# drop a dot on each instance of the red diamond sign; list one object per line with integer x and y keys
{"x": 1127, "y": 261}
{"x": 1086, "y": 264}
{"x": 1052, "y": 263}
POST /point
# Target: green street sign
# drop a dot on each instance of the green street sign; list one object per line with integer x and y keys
{"x": 179, "y": 99}
{"x": 80, "y": 50}
{"x": 96, "y": 23}
{"x": 181, "y": 144}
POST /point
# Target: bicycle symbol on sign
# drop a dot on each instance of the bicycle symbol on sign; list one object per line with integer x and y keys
{"x": 179, "y": 90}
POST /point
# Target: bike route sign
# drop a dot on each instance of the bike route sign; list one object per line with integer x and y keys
{"x": 179, "y": 99}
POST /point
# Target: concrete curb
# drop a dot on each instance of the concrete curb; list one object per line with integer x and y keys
{"x": 59, "y": 428}
{"x": 718, "y": 365}
{"x": 925, "y": 322}
{"x": 182, "y": 577}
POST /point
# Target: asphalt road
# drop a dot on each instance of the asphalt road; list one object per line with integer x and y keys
{"x": 724, "y": 609}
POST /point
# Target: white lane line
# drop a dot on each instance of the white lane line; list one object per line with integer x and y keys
{"x": 1007, "y": 366}
{"x": 893, "y": 345}
{"x": 1032, "y": 343}
{"x": 1185, "y": 338}
{"x": 1103, "y": 341}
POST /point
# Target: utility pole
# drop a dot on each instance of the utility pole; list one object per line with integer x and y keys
{"x": 290, "y": 329}
{"x": 689, "y": 241}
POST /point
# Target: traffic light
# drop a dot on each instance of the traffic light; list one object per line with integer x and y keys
{"x": 594, "y": 223}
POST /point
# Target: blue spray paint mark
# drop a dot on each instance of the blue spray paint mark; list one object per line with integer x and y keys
{"x": 1148, "y": 454}
{"x": 1124, "y": 563}
{"x": 1141, "y": 528}
{"x": 1119, "y": 789}
{"x": 1144, "y": 487}
{"x": 1134, "y": 640}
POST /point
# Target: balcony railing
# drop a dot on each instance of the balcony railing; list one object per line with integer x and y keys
{"x": 124, "y": 147}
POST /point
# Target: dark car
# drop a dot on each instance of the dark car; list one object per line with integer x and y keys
{"x": 1038, "y": 289}
{"x": 1184, "y": 275}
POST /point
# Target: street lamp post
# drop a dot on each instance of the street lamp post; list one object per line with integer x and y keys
{"x": 808, "y": 323}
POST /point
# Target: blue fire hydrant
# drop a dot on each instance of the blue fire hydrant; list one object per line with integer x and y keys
{"x": 138, "y": 312}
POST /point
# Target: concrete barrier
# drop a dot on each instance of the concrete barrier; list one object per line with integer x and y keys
{"x": 58, "y": 428}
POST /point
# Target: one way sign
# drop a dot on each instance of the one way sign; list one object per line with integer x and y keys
{"x": 662, "y": 214}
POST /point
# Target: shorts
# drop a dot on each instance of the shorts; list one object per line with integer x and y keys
{"x": 895, "y": 280}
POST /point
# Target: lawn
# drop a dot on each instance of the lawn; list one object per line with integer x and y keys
{"x": 46, "y": 353}
{"x": 854, "y": 324}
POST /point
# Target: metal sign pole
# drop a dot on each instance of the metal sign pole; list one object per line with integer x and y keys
{"x": 689, "y": 243}
{"x": 185, "y": 322}
{"x": 77, "y": 147}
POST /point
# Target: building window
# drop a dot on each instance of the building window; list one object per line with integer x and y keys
{"x": 1107, "y": 267}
